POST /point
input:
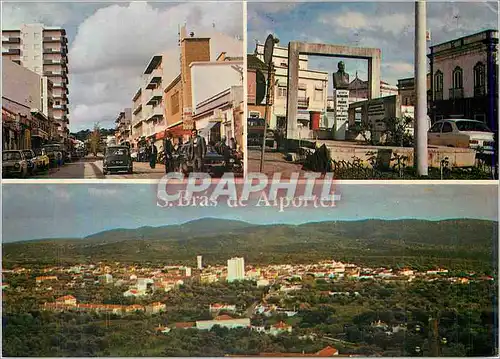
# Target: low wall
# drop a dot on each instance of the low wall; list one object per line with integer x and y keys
{"x": 384, "y": 156}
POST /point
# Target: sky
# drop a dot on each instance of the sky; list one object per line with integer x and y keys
{"x": 110, "y": 45}
{"x": 385, "y": 25}
{"x": 76, "y": 210}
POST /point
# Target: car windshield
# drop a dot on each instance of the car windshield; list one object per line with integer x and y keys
{"x": 28, "y": 154}
{"x": 11, "y": 156}
{"x": 116, "y": 151}
{"x": 472, "y": 126}
{"x": 51, "y": 148}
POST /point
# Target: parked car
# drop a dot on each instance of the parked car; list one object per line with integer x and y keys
{"x": 41, "y": 158}
{"x": 213, "y": 163}
{"x": 117, "y": 159}
{"x": 30, "y": 157}
{"x": 463, "y": 133}
{"x": 14, "y": 163}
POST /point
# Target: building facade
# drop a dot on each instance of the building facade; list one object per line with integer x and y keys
{"x": 123, "y": 126}
{"x": 24, "y": 124}
{"x": 235, "y": 269}
{"x": 313, "y": 89}
{"x": 464, "y": 79}
{"x": 44, "y": 51}
{"x": 407, "y": 91}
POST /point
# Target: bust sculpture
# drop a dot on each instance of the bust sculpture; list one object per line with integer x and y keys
{"x": 341, "y": 78}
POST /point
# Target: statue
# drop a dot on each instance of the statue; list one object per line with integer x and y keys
{"x": 341, "y": 78}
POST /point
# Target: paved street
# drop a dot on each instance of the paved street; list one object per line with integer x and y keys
{"x": 274, "y": 162}
{"x": 91, "y": 167}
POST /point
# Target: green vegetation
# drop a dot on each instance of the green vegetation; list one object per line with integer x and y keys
{"x": 466, "y": 323}
{"x": 454, "y": 244}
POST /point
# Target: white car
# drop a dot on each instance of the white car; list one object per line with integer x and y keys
{"x": 462, "y": 133}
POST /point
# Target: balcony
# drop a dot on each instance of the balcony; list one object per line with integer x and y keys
{"x": 456, "y": 94}
{"x": 12, "y": 40}
{"x": 60, "y": 107}
{"x": 137, "y": 109}
{"x": 54, "y": 62}
{"x": 53, "y": 39}
{"x": 154, "y": 79}
{"x": 155, "y": 114}
{"x": 12, "y": 52}
{"x": 303, "y": 102}
{"x": 479, "y": 91}
{"x": 156, "y": 97}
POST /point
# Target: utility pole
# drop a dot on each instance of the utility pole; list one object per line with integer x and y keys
{"x": 268, "y": 60}
{"x": 420, "y": 133}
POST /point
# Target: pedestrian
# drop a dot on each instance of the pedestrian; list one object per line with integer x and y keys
{"x": 154, "y": 154}
{"x": 59, "y": 159}
{"x": 232, "y": 144}
{"x": 198, "y": 150}
{"x": 167, "y": 150}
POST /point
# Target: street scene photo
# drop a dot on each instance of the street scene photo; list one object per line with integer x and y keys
{"x": 122, "y": 90}
{"x": 393, "y": 271}
{"x": 373, "y": 90}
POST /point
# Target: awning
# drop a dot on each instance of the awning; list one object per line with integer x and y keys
{"x": 204, "y": 132}
{"x": 178, "y": 130}
{"x": 36, "y": 132}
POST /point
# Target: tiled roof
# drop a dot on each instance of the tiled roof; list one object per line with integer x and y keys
{"x": 254, "y": 63}
{"x": 223, "y": 317}
{"x": 184, "y": 324}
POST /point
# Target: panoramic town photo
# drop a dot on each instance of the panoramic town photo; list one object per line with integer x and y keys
{"x": 373, "y": 90}
{"x": 121, "y": 90}
{"x": 396, "y": 270}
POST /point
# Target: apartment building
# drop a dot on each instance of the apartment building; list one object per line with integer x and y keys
{"x": 44, "y": 51}
{"x": 235, "y": 269}
{"x": 464, "y": 80}
{"x": 313, "y": 88}
{"x": 123, "y": 126}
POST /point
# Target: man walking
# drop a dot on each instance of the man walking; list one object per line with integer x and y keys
{"x": 154, "y": 155}
{"x": 198, "y": 150}
{"x": 168, "y": 149}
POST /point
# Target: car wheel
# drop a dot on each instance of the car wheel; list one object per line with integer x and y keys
{"x": 130, "y": 171}
{"x": 24, "y": 172}
{"x": 104, "y": 172}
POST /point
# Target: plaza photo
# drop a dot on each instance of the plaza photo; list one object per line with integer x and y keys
{"x": 365, "y": 91}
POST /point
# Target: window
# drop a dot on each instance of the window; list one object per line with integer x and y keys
{"x": 318, "y": 94}
{"x": 36, "y": 36}
{"x": 436, "y": 128}
{"x": 36, "y": 69}
{"x": 281, "y": 91}
{"x": 479, "y": 75}
{"x": 438, "y": 81}
{"x": 58, "y": 102}
{"x": 36, "y": 46}
{"x": 25, "y": 58}
{"x": 457, "y": 78}
{"x": 174, "y": 103}
{"x": 447, "y": 127}
{"x": 36, "y": 57}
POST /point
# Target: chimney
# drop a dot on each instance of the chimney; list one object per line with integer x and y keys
{"x": 183, "y": 32}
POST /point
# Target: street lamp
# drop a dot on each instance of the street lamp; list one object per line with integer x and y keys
{"x": 268, "y": 60}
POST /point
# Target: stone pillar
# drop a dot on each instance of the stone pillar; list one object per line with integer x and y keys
{"x": 292, "y": 90}
{"x": 374, "y": 75}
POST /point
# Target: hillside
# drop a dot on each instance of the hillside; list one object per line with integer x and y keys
{"x": 463, "y": 243}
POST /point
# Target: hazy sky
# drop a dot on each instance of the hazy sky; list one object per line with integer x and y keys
{"x": 111, "y": 43}
{"x": 385, "y": 25}
{"x": 75, "y": 210}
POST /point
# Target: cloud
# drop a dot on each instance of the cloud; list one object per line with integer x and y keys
{"x": 111, "y": 44}
{"x": 108, "y": 55}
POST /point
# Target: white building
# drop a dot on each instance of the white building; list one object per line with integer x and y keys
{"x": 313, "y": 88}
{"x": 235, "y": 269}
{"x": 43, "y": 50}
{"x": 199, "y": 262}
